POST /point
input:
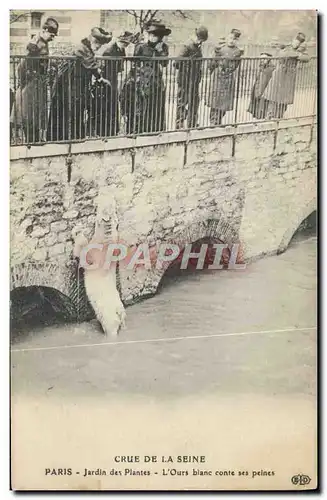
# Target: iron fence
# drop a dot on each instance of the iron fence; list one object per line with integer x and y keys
{"x": 56, "y": 99}
{"x": 18, "y": 48}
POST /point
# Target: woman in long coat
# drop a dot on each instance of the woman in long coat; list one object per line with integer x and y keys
{"x": 30, "y": 111}
{"x": 281, "y": 89}
{"x": 72, "y": 91}
{"x": 143, "y": 97}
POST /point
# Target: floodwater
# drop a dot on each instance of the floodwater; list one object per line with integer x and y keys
{"x": 238, "y": 323}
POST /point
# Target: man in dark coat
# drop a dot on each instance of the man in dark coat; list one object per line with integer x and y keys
{"x": 188, "y": 80}
{"x": 72, "y": 91}
{"x": 221, "y": 91}
{"x": 30, "y": 108}
{"x": 143, "y": 96}
{"x": 108, "y": 120}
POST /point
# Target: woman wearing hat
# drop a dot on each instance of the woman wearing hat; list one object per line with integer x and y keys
{"x": 108, "y": 121}
{"x": 72, "y": 91}
{"x": 281, "y": 89}
{"x": 30, "y": 108}
{"x": 143, "y": 97}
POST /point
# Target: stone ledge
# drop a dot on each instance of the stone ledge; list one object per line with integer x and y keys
{"x": 122, "y": 143}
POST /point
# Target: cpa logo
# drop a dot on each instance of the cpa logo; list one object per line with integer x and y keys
{"x": 301, "y": 480}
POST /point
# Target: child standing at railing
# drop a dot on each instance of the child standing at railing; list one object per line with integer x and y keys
{"x": 258, "y": 106}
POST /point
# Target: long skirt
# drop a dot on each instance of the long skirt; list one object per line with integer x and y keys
{"x": 104, "y": 112}
{"x": 154, "y": 119}
{"x": 30, "y": 108}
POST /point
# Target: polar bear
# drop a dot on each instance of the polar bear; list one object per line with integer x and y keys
{"x": 100, "y": 286}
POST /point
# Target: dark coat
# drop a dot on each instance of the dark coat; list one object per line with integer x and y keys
{"x": 222, "y": 79}
{"x": 143, "y": 96}
{"x": 31, "y": 95}
{"x": 107, "y": 109}
{"x": 189, "y": 72}
{"x": 111, "y": 69}
{"x": 71, "y": 94}
{"x": 281, "y": 88}
{"x": 149, "y": 68}
{"x": 262, "y": 79}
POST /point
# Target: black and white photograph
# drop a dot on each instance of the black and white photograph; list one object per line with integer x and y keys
{"x": 163, "y": 250}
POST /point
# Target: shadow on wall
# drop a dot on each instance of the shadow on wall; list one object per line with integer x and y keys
{"x": 303, "y": 229}
{"x": 33, "y": 306}
{"x": 298, "y": 222}
{"x": 306, "y": 229}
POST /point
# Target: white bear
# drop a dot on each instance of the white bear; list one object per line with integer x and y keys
{"x": 101, "y": 290}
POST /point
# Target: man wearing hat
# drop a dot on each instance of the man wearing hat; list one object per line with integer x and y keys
{"x": 72, "y": 94}
{"x": 111, "y": 68}
{"x": 188, "y": 79}
{"x": 236, "y": 32}
{"x": 226, "y": 59}
{"x": 143, "y": 97}
{"x": 281, "y": 88}
{"x": 30, "y": 107}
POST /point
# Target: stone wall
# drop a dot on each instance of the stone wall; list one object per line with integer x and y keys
{"x": 253, "y": 184}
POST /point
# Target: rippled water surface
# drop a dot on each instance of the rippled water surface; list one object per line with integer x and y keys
{"x": 254, "y": 331}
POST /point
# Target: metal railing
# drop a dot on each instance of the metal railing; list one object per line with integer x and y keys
{"x": 18, "y": 48}
{"x": 55, "y": 99}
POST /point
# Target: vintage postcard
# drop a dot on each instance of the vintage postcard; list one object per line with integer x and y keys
{"x": 163, "y": 216}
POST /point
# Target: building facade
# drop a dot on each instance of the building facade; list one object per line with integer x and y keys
{"x": 260, "y": 29}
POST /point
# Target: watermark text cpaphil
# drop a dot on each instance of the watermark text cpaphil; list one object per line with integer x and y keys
{"x": 214, "y": 256}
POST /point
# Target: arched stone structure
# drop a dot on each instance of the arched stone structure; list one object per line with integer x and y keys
{"x": 297, "y": 217}
{"x": 217, "y": 229}
{"x": 45, "y": 274}
{"x": 35, "y": 301}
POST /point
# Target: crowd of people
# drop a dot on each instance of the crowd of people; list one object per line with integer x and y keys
{"x": 86, "y": 97}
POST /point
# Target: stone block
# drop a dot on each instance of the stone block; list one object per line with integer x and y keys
{"x": 40, "y": 254}
{"x": 285, "y": 147}
{"x": 70, "y": 214}
{"x": 214, "y": 150}
{"x": 39, "y": 232}
{"x": 300, "y": 146}
{"x": 57, "y": 249}
{"x": 262, "y": 174}
{"x": 256, "y": 145}
{"x": 58, "y": 226}
{"x": 289, "y": 175}
{"x": 169, "y": 222}
{"x": 54, "y": 238}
